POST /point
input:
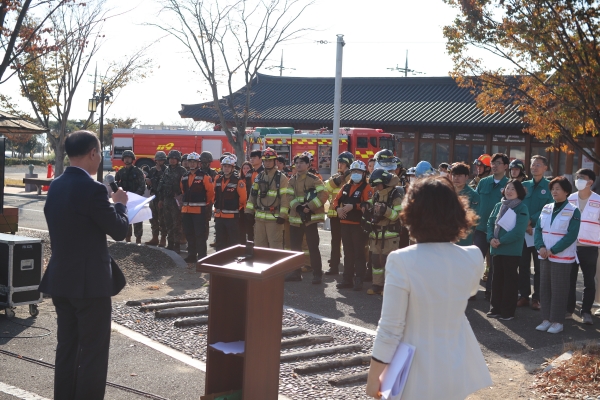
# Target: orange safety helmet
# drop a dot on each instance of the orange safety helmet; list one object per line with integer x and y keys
{"x": 484, "y": 159}
{"x": 269, "y": 154}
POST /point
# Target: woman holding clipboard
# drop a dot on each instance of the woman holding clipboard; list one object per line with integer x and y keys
{"x": 505, "y": 233}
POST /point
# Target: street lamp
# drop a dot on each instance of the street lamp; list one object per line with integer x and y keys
{"x": 92, "y": 107}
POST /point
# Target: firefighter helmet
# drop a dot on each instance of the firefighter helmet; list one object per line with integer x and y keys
{"x": 378, "y": 176}
{"x": 160, "y": 155}
{"x": 206, "y": 157}
{"x": 307, "y": 154}
{"x": 229, "y": 160}
{"x": 410, "y": 171}
{"x": 484, "y": 159}
{"x": 517, "y": 164}
{"x": 358, "y": 165}
{"x": 269, "y": 154}
{"x": 423, "y": 168}
{"x": 385, "y": 159}
{"x": 128, "y": 153}
{"x": 193, "y": 156}
{"x": 346, "y": 157}
{"x": 175, "y": 154}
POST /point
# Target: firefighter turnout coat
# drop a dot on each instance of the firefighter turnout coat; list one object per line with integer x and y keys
{"x": 384, "y": 234}
{"x": 299, "y": 187}
{"x": 333, "y": 186}
{"x": 267, "y": 197}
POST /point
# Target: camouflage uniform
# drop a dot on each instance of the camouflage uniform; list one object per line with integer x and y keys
{"x": 158, "y": 216}
{"x": 132, "y": 179}
{"x": 168, "y": 189}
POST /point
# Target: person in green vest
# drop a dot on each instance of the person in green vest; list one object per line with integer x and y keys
{"x": 460, "y": 174}
{"x": 538, "y": 195}
{"x": 490, "y": 193}
{"x": 505, "y": 232}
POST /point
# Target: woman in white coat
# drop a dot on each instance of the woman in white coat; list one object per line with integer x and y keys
{"x": 427, "y": 286}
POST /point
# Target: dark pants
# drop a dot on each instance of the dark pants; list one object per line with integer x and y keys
{"x": 157, "y": 222}
{"x": 311, "y": 231}
{"x": 194, "y": 227}
{"x": 587, "y": 256}
{"x": 554, "y": 290}
{"x": 505, "y": 285}
{"x": 172, "y": 215}
{"x": 138, "y": 230}
{"x": 336, "y": 243}
{"x": 227, "y": 230}
{"x": 480, "y": 240}
{"x": 525, "y": 273}
{"x": 83, "y": 333}
{"x": 354, "y": 239}
{"x": 242, "y": 228}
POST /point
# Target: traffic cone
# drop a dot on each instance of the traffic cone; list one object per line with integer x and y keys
{"x": 49, "y": 174}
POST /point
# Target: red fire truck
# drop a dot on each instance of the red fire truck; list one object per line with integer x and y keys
{"x": 146, "y": 142}
{"x": 362, "y": 142}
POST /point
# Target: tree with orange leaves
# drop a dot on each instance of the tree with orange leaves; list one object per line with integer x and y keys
{"x": 550, "y": 50}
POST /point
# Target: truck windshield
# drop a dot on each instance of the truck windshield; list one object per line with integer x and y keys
{"x": 386, "y": 143}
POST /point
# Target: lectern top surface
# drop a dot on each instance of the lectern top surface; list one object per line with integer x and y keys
{"x": 6, "y": 238}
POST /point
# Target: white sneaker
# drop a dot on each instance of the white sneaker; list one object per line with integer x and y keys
{"x": 555, "y": 328}
{"x": 597, "y": 313}
{"x": 544, "y": 326}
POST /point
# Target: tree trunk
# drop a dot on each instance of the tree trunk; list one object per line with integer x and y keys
{"x": 59, "y": 159}
{"x": 238, "y": 148}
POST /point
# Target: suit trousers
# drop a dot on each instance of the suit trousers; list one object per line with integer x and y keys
{"x": 354, "y": 239}
{"x": 194, "y": 227}
{"x": 227, "y": 231}
{"x": 336, "y": 243}
{"x": 525, "y": 273}
{"x": 554, "y": 290}
{"x": 505, "y": 283}
{"x": 83, "y": 335}
{"x": 311, "y": 232}
{"x": 587, "y": 256}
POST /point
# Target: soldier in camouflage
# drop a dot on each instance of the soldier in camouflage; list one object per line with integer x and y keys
{"x": 131, "y": 179}
{"x": 158, "y": 217}
{"x": 169, "y": 195}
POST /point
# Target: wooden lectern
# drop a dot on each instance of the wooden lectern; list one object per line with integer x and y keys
{"x": 246, "y": 304}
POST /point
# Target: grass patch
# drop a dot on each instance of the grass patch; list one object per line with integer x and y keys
{"x": 13, "y": 182}
{"x": 576, "y": 378}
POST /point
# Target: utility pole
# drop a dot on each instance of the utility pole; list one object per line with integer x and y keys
{"x": 280, "y": 67}
{"x": 337, "y": 104}
{"x": 405, "y": 69}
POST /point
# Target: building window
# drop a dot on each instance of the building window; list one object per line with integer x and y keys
{"x": 407, "y": 155}
{"x": 476, "y": 151}
{"x": 442, "y": 153}
{"x": 461, "y": 153}
{"x": 426, "y": 152}
{"x": 517, "y": 152}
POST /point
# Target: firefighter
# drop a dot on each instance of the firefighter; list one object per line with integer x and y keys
{"x": 380, "y": 220}
{"x": 257, "y": 168}
{"x": 347, "y": 204}
{"x": 230, "y": 198}
{"x": 169, "y": 199}
{"x": 312, "y": 169}
{"x": 198, "y": 193}
{"x": 206, "y": 158}
{"x": 516, "y": 170}
{"x": 307, "y": 195}
{"x": 158, "y": 219}
{"x": 267, "y": 209}
{"x": 131, "y": 179}
{"x": 333, "y": 186}
{"x": 484, "y": 168}
{"x": 281, "y": 166}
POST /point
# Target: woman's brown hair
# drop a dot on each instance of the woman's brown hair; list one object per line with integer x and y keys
{"x": 433, "y": 212}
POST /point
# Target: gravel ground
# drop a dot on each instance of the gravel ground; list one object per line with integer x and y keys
{"x": 192, "y": 341}
{"x": 141, "y": 265}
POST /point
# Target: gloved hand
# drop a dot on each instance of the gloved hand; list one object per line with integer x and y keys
{"x": 300, "y": 209}
{"x": 347, "y": 172}
{"x": 280, "y": 221}
{"x": 380, "y": 209}
{"x": 249, "y": 218}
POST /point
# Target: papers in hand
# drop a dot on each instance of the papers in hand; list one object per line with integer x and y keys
{"x": 529, "y": 241}
{"x": 508, "y": 220}
{"x": 393, "y": 378}
{"x": 231, "y": 347}
{"x": 138, "y": 209}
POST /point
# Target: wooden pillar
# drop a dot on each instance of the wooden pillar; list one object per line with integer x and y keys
{"x": 451, "y": 152}
{"x": 417, "y": 141}
{"x": 597, "y": 150}
{"x": 527, "y": 160}
{"x": 569, "y": 165}
{"x": 489, "y": 143}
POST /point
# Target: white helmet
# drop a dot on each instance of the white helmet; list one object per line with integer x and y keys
{"x": 307, "y": 154}
{"x": 229, "y": 160}
{"x": 359, "y": 165}
{"x": 193, "y": 156}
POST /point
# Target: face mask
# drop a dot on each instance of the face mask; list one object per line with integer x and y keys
{"x": 580, "y": 184}
{"x": 356, "y": 177}
{"x": 442, "y": 173}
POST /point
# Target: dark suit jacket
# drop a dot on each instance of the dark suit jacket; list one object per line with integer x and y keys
{"x": 79, "y": 217}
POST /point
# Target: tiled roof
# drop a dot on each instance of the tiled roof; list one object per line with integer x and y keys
{"x": 411, "y": 101}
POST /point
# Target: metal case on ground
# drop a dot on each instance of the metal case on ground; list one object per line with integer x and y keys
{"x": 20, "y": 272}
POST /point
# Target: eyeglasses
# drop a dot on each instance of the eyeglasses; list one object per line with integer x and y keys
{"x": 498, "y": 163}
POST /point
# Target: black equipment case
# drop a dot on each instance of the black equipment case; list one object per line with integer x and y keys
{"x": 20, "y": 273}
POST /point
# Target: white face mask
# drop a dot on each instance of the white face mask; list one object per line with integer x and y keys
{"x": 356, "y": 177}
{"x": 580, "y": 184}
{"x": 442, "y": 173}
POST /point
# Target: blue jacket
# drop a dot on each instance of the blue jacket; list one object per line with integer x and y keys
{"x": 79, "y": 217}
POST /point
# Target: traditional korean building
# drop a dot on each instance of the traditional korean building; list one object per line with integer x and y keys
{"x": 432, "y": 117}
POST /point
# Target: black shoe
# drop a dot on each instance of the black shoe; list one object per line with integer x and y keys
{"x": 492, "y": 315}
{"x": 358, "y": 284}
{"x": 294, "y": 276}
{"x": 344, "y": 285}
{"x": 190, "y": 258}
{"x": 332, "y": 271}
{"x": 316, "y": 280}
{"x": 473, "y": 298}
{"x": 368, "y": 276}
{"x": 170, "y": 246}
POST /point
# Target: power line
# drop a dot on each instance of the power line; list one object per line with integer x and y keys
{"x": 280, "y": 67}
{"x": 405, "y": 69}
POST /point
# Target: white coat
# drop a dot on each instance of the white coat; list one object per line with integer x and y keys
{"x": 427, "y": 287}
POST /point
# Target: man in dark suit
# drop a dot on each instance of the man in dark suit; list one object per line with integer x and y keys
{"x": 81, "y": 277}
